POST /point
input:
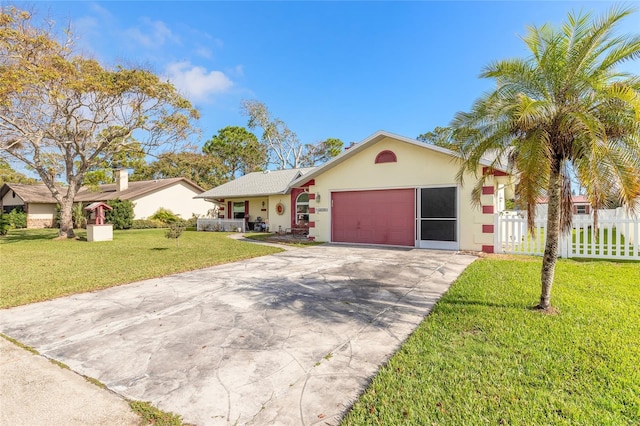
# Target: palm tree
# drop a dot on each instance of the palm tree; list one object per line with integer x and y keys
{"x": 565, "y": 109}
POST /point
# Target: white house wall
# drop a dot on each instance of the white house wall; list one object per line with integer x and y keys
{"x": 279, "y": 221}
{"x": 40, "y": 215}
{"x": 11, "y": 199}
{"x": 178, "y": 198}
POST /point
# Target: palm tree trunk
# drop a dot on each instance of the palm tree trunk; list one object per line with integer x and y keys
{"x": 553, "y": 236}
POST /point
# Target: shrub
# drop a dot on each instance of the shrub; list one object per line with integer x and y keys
{"x": 79, "y": 216}
{"x": 175, "y": 230}
{"x": 165, "y": 215}
{"x": 122, "y": 214}
{"x": 147, "y": 224}
{"x": 4, "y": 224}
{"x": 17, "y": 219}
{"x": 192, "y": 222}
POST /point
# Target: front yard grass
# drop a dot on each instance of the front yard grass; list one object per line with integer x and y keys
{"x": 35, "y": 267}
{"x": 484, "y": 357}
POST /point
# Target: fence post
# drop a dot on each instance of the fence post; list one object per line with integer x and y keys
{"x": 563, "y": 245}
{"x": 497, "y": 234}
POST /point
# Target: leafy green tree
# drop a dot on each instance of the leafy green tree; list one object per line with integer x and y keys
{"x": 62, "y": 114}
{"x": 121, "y": 217}
{"x": 443, "y": 137}
{"x": 316, "y": 154}
{"x": 203, "y": 169}
{"x": 566, "y": 106}
{"x": 9, "y": 175}
{"x": 239, "y": 151}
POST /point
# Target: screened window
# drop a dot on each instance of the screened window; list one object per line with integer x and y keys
{"x": 238, "y": 210}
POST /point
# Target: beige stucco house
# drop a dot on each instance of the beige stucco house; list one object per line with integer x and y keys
{"x": 175, "y": 194}
{"x": 387, "y": 189}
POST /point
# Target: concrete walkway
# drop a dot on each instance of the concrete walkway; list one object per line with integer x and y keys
{"x": 288, "y": 339}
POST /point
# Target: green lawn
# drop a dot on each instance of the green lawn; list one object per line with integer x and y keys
{"x": 484, "y": 357}
{"x": 35, "y": 267}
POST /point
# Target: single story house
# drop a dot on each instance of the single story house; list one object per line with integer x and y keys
{"x": 387, "y": 189}
{"x": 175, "y": 194}
{"x": 580, "y": 203}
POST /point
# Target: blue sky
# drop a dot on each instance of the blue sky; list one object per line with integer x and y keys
{"x": 327, "y": 69}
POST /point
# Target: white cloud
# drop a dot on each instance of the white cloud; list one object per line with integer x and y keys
{"x": 196, "y": 83}
{"x": 152, "y": 34}
{"x": 204, "y": 52}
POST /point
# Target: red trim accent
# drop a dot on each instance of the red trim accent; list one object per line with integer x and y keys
{"x": 386, "y": 156}
{"x": 246, "y": 208}
{"x": 489, "y": 171}
{"x": 311, "y": 238}
{"x": 312, "y": 224}
{"x": 488, "y": 190}
{"x": 487, "y": 209}
{"x": 221, "y": 208}
{"x": 487, "y": 229}
{"x": 487, "y": 249}
{"x": 312, "y": 210}
{"x": 312, "y": 196}
{"x": 229, "y": 210}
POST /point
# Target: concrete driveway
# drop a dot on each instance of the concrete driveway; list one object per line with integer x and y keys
{"x": 289, "y": 339}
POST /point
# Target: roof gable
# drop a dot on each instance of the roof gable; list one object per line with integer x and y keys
{"x": 372, "y": 140}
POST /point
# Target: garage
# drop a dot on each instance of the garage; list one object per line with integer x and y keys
{"x": 374, "y": 217}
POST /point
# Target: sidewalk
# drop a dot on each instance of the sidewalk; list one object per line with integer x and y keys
{"x": 34, "y": 391}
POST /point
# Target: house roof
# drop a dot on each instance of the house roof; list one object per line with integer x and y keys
{"x": 377, "y": 137}
{"x": 575, "y": 199}
{"x": 268, "y": 182}
{"x": 30, "y": 193}
{"x": 39, "y": 193}
{"x": 135, "y": 190}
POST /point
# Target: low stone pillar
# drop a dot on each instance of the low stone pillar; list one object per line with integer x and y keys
{"x": 100, "y": 232}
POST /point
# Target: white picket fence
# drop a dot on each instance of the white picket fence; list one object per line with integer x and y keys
{"x": 220, "y": 225}
{"x": 618, "y": 236}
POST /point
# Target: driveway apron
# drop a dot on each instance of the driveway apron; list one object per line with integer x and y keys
{"x": 290, "y": 339}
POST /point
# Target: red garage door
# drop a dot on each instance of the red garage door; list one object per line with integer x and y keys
{"x": 374, "y": 217}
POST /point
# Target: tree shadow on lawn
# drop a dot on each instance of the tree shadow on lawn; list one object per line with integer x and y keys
{"x": 518, "y": 306}
{"x": 17, "y": 236}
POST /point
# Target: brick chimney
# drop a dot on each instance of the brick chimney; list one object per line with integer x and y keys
{"x": 122, "y": 180}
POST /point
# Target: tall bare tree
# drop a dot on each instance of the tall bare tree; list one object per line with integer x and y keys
{"x": 283, "y": 146}
{"x": 63, "y": 114}
{"x": 566, "y": 106}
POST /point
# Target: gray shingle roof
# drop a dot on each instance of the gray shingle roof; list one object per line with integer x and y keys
{"x": 257, "y": 184}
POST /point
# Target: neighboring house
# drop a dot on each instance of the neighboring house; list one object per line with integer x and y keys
{"x": 387, "y": 189}
{"x": 175, "y": 194}
{"x": 581, "y": 206}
